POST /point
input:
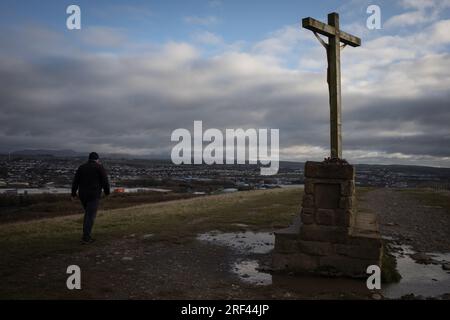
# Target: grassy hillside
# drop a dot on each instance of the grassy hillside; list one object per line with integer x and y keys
{"x": 176, "y": 221}
{"x": 28, "y": 207}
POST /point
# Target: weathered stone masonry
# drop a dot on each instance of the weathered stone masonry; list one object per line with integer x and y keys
{"x": 329, "y": 237}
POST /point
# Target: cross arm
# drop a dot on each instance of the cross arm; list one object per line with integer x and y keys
{"x": 330, "y": 31}
{"x": 349, "y": 39}
{"x": 319, "y": 27}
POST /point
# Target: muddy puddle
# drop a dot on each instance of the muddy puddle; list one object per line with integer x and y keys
{"x": 249, "y": 271}
{"x": 427, "y": 280}
{"x": 244, "y": 242}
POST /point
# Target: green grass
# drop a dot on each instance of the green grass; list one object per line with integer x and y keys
{"x": 389, "y": 272}
{"x": 28, "y": 207}
{"x": 21, "y": 242}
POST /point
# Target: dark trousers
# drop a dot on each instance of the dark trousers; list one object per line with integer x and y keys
{"x": 90, "y": 212}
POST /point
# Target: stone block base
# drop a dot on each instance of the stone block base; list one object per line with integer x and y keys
{"x": 350, "y": 256}
{"x": 329, "y": 236}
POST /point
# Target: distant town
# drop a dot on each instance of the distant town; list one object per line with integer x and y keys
{"x": 48, "y": 173}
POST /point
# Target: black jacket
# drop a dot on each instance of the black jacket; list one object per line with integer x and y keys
{"x": 89, "y": 180}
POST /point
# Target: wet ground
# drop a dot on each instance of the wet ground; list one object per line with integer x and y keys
{"x": 211, "y": 266}
{"x": 217, "y": 265}
{"x": 245, "y": 244}
{"x": 252, "y": 266}
{"x": 419, "y": 279}
{"x": 419, "y": 237}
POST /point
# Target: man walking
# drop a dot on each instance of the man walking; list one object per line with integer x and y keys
{"x": 89, "y": 180}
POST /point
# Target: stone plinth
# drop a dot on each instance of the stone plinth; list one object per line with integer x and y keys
{"x": 329, "y": 236}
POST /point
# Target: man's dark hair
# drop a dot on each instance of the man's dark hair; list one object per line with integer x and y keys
{"x": 93, "y": 156}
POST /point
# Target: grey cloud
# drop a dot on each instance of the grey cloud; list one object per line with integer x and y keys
{"x": 133, "y": 101}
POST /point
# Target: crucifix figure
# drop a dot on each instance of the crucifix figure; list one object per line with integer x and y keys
{"x": 333, "y": 47}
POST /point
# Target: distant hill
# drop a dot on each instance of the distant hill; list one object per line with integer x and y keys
{"x": 67, "y": 153}
{"x": 47, "y": 152}
{"x": 290, "y": 165}
{"x": 407, "y": 169}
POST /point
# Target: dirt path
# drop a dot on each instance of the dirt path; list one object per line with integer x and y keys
{"x": 133, "y": 268}
{"x": 408, "y": 220}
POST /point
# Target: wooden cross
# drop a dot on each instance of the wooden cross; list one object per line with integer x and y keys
{"x": 335, "y": 37}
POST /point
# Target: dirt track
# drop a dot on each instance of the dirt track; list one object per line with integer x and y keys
{"x": 407, "y": 219}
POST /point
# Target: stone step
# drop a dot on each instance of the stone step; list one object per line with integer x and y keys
{"x": 292, "y": 231}
{"x": 366, "y": 225}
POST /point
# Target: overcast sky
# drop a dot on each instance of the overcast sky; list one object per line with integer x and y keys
{"x": 137, "y": 70}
